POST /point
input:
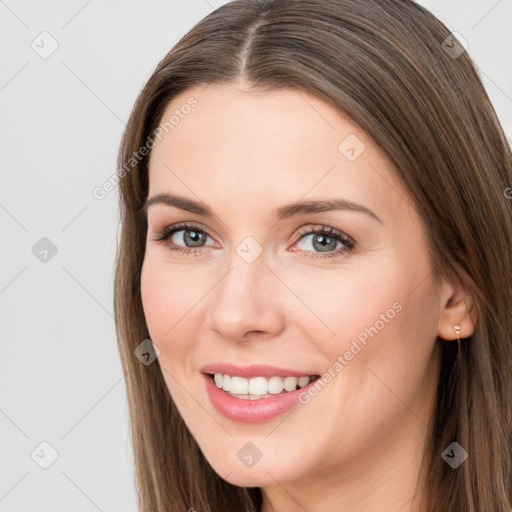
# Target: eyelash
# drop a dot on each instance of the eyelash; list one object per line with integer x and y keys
{"x": 347, "y": 241}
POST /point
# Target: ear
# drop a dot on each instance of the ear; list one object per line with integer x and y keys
{"x": 457, "y": 308}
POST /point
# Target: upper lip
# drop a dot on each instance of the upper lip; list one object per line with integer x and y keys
{"x": 253, "y": 370}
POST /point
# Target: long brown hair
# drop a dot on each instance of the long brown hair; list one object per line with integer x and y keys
{"x": 387, "y": 65}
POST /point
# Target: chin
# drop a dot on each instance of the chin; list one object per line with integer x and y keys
{"x": 258, "y": 475}
{"x": 249, "y": 477}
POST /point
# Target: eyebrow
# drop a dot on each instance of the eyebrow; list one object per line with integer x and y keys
{"x": 283, "y": 212}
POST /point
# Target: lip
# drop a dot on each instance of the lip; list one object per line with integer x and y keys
{"x": 252, "y": 411}
{"x": 253, "y": 370}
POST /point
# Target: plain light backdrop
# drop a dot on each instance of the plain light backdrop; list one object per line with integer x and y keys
{"x": 70, "y": 72}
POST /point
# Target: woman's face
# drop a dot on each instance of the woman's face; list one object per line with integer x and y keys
{"x": 246, "y": 287}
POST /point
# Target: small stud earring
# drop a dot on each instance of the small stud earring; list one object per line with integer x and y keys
{"x": 457, "y": 330}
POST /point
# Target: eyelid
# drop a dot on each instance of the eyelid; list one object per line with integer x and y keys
{"x": 180, "y": 226}
{"x": 347, "y": 241}
{"x": 319, "y": 228}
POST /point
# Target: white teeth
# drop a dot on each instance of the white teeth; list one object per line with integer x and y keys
{"x": 290, "y": 383}
{"x": 275, "y": 385}
{"x": 239, "y": 385}
{"x": 259, "y": 387}
{"x": 226, "y": 382}
{"x": 303, "y": 381}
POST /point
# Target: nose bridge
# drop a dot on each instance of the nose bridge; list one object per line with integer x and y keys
{"x": 244, "y": 300}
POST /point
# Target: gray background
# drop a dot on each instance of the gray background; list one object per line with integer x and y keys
{"x": 61, "y": 121}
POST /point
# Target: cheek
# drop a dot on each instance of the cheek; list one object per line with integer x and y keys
{"x": 381, "y": 317}
{"x": 173, "y": 299}
{"x": 346, "y": 301}
{"x": 155, "y": 299}
{"x": 167, "y": 296}
{"x": 387, "y": 342}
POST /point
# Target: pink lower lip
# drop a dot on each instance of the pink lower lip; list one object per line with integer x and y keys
{"x": 251, "y": 411}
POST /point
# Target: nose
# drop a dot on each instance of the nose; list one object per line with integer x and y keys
{"x": 245, "y": 304}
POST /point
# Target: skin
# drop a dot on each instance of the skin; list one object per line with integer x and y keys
{"x": 357, "y": 445}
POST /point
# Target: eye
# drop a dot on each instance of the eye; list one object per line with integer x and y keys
{"x": 185, "y": 238}
{"x": 326, "y": 241}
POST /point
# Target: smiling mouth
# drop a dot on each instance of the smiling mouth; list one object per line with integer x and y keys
{"x": 255, "y": 388}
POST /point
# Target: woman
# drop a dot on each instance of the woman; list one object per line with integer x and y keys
{"x": 312, "y": 288}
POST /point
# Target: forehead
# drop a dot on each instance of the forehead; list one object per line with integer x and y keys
{"x": 273, "y": 146}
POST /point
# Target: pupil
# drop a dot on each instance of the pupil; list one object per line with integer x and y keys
{"x": 323, "y": 245}
{"x": 194, "y": 238}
